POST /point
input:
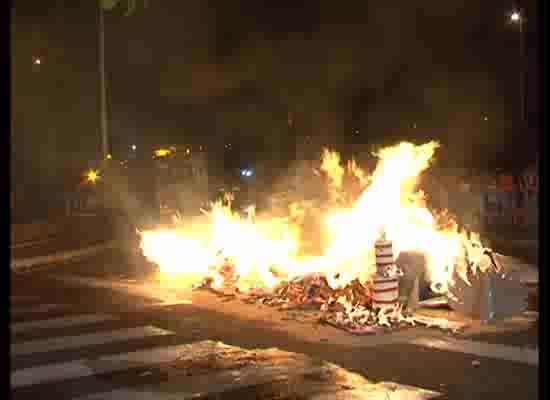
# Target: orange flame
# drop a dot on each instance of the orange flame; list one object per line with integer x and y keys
{"x": 259, "y": 246}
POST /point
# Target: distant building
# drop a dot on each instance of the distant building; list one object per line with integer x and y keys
{"x": 527, "y": 212}
{"x": 510, "y": 200}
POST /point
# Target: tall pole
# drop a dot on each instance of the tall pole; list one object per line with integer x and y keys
{"x": 13, "y": 186}
{"x": 518, "y": 17}
{"x": 103, "y": 89}
{"x": 522, "y": 71}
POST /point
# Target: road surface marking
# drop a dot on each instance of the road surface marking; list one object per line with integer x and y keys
{"x": 377, "y": 392}
{"x": 216, "y": 382}
{"x": 168, "y": 303}
{"x": 106, "y": 364}
{"x": 34, "y": 309}
{"x": 531, "y": 314}
{"x": 24, "y": 263}
{"x": 75, "y": 342}
{"x": 31, "y": 243}
{"x": 133, "y": 394}
{"x": 381, "y": 391}
{"x": 14, "y": 299}
{"x": 482, "y": 349}
{"x": 64, "y": 322}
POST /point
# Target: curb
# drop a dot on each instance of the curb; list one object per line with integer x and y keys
{"x": 25, "y": 263}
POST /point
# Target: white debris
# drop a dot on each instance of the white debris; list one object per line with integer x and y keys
{"x": 439, "y": 323}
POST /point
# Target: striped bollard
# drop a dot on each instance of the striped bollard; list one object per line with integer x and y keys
{"x": 386, "y": 288}
{"x": 385, "y": 292}
{"x": 383, "y": 250}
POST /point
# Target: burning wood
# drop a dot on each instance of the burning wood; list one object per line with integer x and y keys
{"x": 349, "y": 308}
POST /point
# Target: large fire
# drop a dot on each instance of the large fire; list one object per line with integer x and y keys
{"x": 263, "y": 250}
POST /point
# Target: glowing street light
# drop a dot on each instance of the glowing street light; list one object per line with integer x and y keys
{"x": 247, "y": 172}
{"x": 92, "y": 176}
{"x": 37, "y": 61}
{"x": 515, "y": 16}
{"x": 162, "y": 152}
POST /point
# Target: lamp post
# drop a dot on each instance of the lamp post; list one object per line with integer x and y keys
{"x": 103, "y": 90}
{"x": 517, "y": 18}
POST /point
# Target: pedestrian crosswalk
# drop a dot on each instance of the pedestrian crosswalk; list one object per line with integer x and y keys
{"x": 63, "y": 322}
{"x": 34, "y": 309}
{"x": 65, "y": 343}
{"x": 481, "y": 349}
{"x": 101, "y": 365}
{"x": 38, "y": 329}
{"x": 40, "y": 333}
{"x": 50, "y": 350}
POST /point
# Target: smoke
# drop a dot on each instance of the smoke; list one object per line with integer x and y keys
{"x": 120, "y": 195}
{"x": 380, "y": 65}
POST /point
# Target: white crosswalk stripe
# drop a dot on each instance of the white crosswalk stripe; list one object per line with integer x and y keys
{"x": 482, "y": 349}
{"x": 41, "y": 308}
{"x": 46, "y": 339}
{"x": 63, "y": 322}
{"x": 100, "y": 365}
{"x": 123, "y": 394}
{"x": 76, "y": 342}
{"x": 16, "y": 299}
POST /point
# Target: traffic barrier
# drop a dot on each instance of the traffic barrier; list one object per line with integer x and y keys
{"x": 385, "y": 291}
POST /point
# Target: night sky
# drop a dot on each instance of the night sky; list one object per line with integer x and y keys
{"x": 218, "y": 72}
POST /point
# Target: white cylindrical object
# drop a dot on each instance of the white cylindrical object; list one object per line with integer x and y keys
{"x": 385, "y": 291}
{"x": 383, "y": 250}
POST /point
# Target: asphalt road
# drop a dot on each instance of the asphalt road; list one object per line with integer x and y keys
{"x": 67, "y": 320}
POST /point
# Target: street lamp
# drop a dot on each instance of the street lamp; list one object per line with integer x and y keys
{"x": 517, "y": 18}
{"x": 92, "y": 176}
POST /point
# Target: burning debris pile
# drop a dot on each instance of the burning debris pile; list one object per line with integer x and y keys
{"x": 360, "y": 257}
{"x": 349, "y": 307}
